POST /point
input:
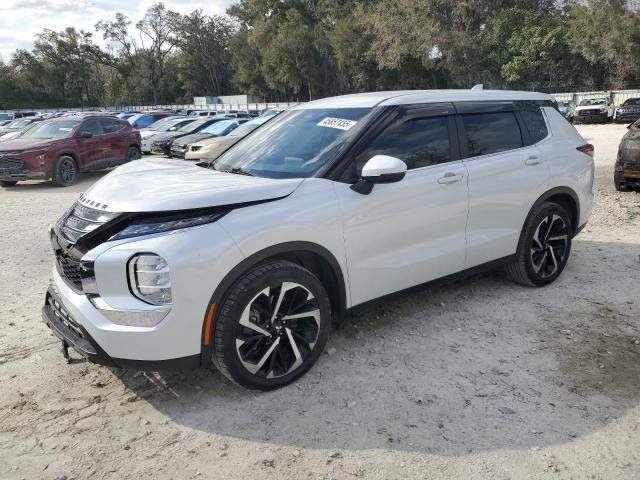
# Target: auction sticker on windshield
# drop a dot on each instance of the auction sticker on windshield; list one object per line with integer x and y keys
{"x": 339, "y": 123}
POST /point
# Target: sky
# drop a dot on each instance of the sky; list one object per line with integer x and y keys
{"x": 20, "y": 20}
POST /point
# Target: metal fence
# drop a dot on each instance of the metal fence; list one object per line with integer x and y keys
{"x": 617, "y": 97}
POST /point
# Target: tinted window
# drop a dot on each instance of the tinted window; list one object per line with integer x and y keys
{"x": 419, "y": 142}
{"x": 143, "y": 122}
{"x": 491, "y": 132}
{"x": 92, "y": 127}
{"x": 534, "y": 122}
{"x": 110, "y": 125}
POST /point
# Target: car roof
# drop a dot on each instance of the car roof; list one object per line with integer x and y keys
{"x": 80, "y": 118}
{"x": 403, "y": 97}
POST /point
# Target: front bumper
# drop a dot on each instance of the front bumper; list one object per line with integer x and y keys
{"x": 627, "y": 175}
{"x": 590, "y": 117}
{"x": 163, "y": 149}
{"x": 177, "y": 340}
{"x": 178, "y": 152}
{"x": 627, "y": 117}
{"x": 19, "y": 169}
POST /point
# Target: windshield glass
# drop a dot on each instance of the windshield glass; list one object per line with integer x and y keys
{"x": 631, "y": 101}
{"x": 191, "y": 126}
{"x": 593, "y": 101}
{"x": 159, "y": 124}
{"x": 295, "y": 144}
{"x": 219, "y": 128}
{"x": 247, "y": 128}
{"x": 19, "y": 123}
{"x": 49, "y": 130}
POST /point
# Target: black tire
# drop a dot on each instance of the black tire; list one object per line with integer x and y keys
{"x": 620, "y": 186}
{"x": 287, "y": 347}
{"x": 65, "y": 171}
{"x": 8, "y": 183}
{"x": 544, "y": 246}
{"x": 133, "y": 154}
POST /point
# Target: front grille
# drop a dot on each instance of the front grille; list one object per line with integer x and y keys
{"x": 80, "y": 220}
{"x": 69, "y": 269}
{"x": 589, "y": 112}
{"x": 10, "y": 165}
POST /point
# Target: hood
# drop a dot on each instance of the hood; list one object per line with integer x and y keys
{"x": 165, "y": 185}
{"x": 192, "y": 138}
{"x": 144, "y": 133}
{"x": 25, "y": 144}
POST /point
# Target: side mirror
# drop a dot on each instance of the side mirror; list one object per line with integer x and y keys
{"x": 379, "y": 169}
{"x": 85, "y": 135}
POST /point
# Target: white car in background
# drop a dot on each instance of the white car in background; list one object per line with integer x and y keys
{"x": 167, "y": 124}
{"x": 593, "y": 110}
{"x": 334, "y": 204}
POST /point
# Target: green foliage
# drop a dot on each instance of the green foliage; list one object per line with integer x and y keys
{"x": 305, "y": 49}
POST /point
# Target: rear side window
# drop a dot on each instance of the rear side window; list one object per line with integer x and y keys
{"x": 491, "y": 132}
{"x": 419, "y": 142}
{"x": 111, "y": 125}
{"x": 145, "y": 121}
{"x": 534, "y": 123}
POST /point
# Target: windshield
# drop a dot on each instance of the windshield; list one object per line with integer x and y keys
{"x": 19, "y": 123}
{"x": 50, "y": 130}
{"x": 192, "y": 126}
{"x": 295, "y": 144}
{"x": 159, "y": 124}
{"x": 631, "y": 101}
{"x": 593, "y": 101}
{"x": 247, "y": 128}
{"x": 220, "y": 128}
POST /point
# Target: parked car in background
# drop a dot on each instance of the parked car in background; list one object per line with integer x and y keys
{"x": 271, "y": 112}
{"x": 593, "y": 110}
{"x": 180, "y": 145}
{"x": 18, "y": 125}
{"x": 169, "y": 124}
{"x": 628, "y": 112}
{"x": 566, "y": 109}
{"x": 211, "y": 148}
{"x": 143, "y": 120}
{"x": 60, "y": 148}
{"x": 204, "y": 113}
{"x": 18, "y": 133}
{"x": 126, "y": 115}
{"x": 626, "y": 176}
{"x": 337, "y": 203}
{"x": 7, "y": 116}
{"x": 161, "y": 143}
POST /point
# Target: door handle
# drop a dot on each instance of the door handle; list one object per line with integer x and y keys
{"x": 532, "y": 160}
{"x": 450, "y": 177}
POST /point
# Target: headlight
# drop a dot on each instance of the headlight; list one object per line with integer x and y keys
{"x": 153, "y": 225}
{"x": 149, "y": 278}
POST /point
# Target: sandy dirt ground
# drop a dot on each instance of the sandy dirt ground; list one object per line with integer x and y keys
{"x": 479, "y": 379}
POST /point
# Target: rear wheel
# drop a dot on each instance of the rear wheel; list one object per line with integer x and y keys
{"x": 8, "y": 183}
{"x": 65, "y": 172}
{"x": 133, "y": 154}
{"x": 544, "y": 246}
{"x": 272, "y": 326}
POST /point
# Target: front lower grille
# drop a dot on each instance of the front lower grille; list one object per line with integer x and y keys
{"x": 61, "y": 314}
{"x": 80, "y": 220}
{"x": 11, "y": 165}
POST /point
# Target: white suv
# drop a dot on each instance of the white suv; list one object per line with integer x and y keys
{"x": 247, "y": 262}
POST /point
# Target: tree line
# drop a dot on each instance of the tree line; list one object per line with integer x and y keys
{"x": 295, "y": 50}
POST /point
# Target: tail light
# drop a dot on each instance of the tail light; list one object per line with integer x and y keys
{"x": 586, "y": 148}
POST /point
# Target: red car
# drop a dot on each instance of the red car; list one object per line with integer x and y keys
{"x": 60, "y": 148}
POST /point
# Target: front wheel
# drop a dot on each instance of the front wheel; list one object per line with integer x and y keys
{"x": 272, "y": 326}
{"x": 544, "y": 246}
{"x": 65, "y": 171}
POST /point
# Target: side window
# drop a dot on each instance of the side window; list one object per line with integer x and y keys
{"x": 111, "y": 126}
{"x": 491, "y": 132}
{"x": 92, "y": 127}
{"x": 145, "y": 121}
{"x": 419, "y": 142}
{"x": 534, "y": 123}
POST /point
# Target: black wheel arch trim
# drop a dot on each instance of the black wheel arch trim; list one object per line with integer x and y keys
{"x": 560, "y": 191}
{"x": 255, "y": 259}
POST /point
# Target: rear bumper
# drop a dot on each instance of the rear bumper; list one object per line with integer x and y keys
{"x": 71, "y": 333}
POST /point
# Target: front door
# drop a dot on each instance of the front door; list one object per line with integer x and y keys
{"x": 91, "y": 149}
{"x": 406, "y": 233}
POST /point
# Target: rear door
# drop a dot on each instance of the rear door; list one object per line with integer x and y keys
{"x": 406, "y": 233}
{"x": 92, "y": 150}
{"x": 507, "y": 173}
{"x": 115, "y": 142}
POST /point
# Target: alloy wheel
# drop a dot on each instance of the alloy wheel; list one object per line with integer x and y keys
{"x": 549, "y": 247}
{"x": 68, "y": 170}
{"x": 278, "y": 330}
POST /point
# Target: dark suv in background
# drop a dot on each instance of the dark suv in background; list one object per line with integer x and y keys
{"x": 626, "y": 176}
{"x": 60, "y": 148}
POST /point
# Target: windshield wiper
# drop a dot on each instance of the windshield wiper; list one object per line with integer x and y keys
{"x": 238, "y": 171}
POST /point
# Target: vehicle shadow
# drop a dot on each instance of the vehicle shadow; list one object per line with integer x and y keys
{"x": 85, "y": 180}
{"x": 480, "y": 364}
